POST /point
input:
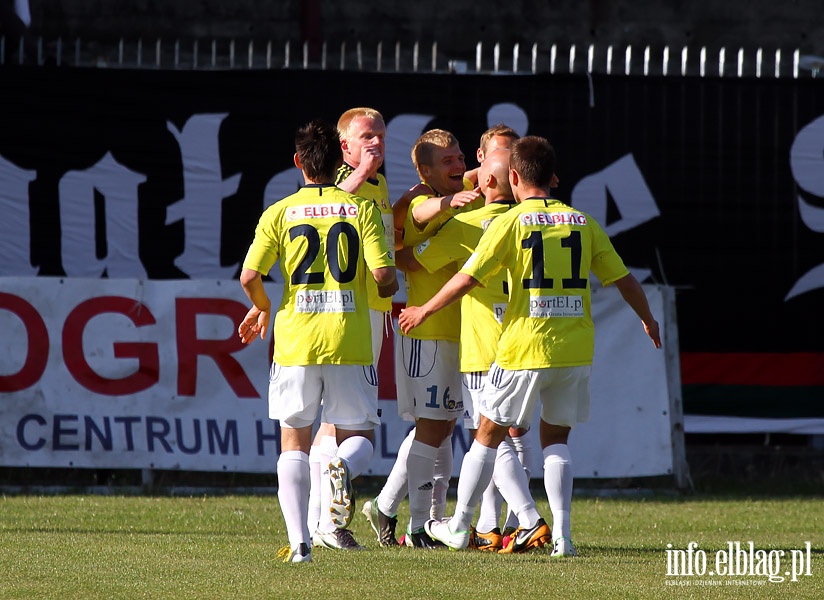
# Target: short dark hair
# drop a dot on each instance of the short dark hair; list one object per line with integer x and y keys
{"x": 533, "y": 158}
{"x": 318, "y": 148}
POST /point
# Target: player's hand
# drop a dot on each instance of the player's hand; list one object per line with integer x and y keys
{"x": 387, "y": 291}
{"x": 653, "y": 332}
{"x": 254, "y": 324}
{"x": 411, "y": 317}
{"x": 371, "y": 158}
{"x": 461, "y": 199}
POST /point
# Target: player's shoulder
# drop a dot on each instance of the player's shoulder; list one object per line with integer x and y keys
{"x": 344, "y": 171}
{"x": 470, "y": 218}
{"x": 281, "y": 205}
{"x": 420, "y": 198}
{"x": 343, "y": 196}
{"x": 416, "y": 201}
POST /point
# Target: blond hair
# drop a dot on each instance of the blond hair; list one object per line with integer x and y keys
{"x": 423, "y": 152}
{"x": 345, "y": 120}
{"x": 495, "y": 130}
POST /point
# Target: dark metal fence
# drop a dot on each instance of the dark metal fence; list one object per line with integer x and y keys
{"x": 527, "y": 58}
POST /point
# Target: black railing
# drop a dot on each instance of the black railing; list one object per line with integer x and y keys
{"x": 200, "y": 54}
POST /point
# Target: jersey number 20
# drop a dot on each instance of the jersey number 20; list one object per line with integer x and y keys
{"x": 301, "y": 275}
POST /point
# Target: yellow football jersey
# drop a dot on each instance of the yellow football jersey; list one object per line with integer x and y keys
{"x": 482, "y": 309}
{"x": 377, "y": 191}
{"x": 326, "y": 242}
{"x": 549, "y": 250}
{"x": 422, "y": 285}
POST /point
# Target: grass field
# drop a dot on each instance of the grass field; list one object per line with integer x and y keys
{"x": 226, "y": 546}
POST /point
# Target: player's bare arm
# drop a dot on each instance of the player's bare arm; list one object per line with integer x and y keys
{"x": 387, "y": 281}
{"x": 370, "y": 160}
{"x": 432, "y": 207}
{"x": 633, "y": 294}
{"x": 452, "y": 291}
{"x": 256, "y": 321}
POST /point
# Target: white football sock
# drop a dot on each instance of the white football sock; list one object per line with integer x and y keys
{"x": 511, "y": 480}
{"x": 327, "y": 448}
{"x": 397, "y": 483}
{"x": 421, "y": 466}
{"x": 314, "y": 488}
{"x": 558, "y": 484}
{"x": 319, "y": 456}
{"x": 476, "y": 473}
{"x": 441, "y": 475}
{"x": 491, "y": 503}
{"x": 357, "y": 452}
{"x": 524, "y": 448}
{"x": 293, "y": 495}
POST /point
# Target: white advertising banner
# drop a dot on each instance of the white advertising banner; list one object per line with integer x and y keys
{"x": 150, "y": 374}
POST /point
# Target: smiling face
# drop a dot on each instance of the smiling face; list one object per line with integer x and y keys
{"x": 445, "y": 173}
{"x": 363, "y": 131}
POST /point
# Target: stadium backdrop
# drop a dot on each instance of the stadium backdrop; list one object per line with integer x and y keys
{"x": 711, "y": 187}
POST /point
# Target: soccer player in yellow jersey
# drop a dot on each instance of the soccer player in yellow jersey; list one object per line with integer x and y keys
{"x": 545, "y": 351}
{"x": 427, "y": 374}
{"x": 324, "y": 240}
{"x": 362, "y": 136}
{"x": 499, "y": 137}
{"x": 482, "y": 312}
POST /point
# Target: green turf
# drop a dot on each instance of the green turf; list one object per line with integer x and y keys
{"x": 225, "y": 547}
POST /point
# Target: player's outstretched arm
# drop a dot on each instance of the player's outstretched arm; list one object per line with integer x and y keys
{"x": 633, "y": 294}
{"x": 256, "y": 321}
{"x": 429, "y": 209}
{"x": 452, "y": 290}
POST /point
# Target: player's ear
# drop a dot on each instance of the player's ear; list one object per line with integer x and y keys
{"x": 297, "y": 162}
{"x": 513, "y": 178}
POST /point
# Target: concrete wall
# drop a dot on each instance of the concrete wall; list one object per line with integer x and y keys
{"x": 456, "y": 25}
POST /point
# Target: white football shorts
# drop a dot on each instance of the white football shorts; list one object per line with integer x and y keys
{"x": 509, "y": 397}
{"x": 471, "y": 388}
{"x": 350, "y": 395}
{"x": 428, "y": 379}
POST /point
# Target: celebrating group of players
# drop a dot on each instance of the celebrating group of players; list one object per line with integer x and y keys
{"x": 497, "y": 322}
